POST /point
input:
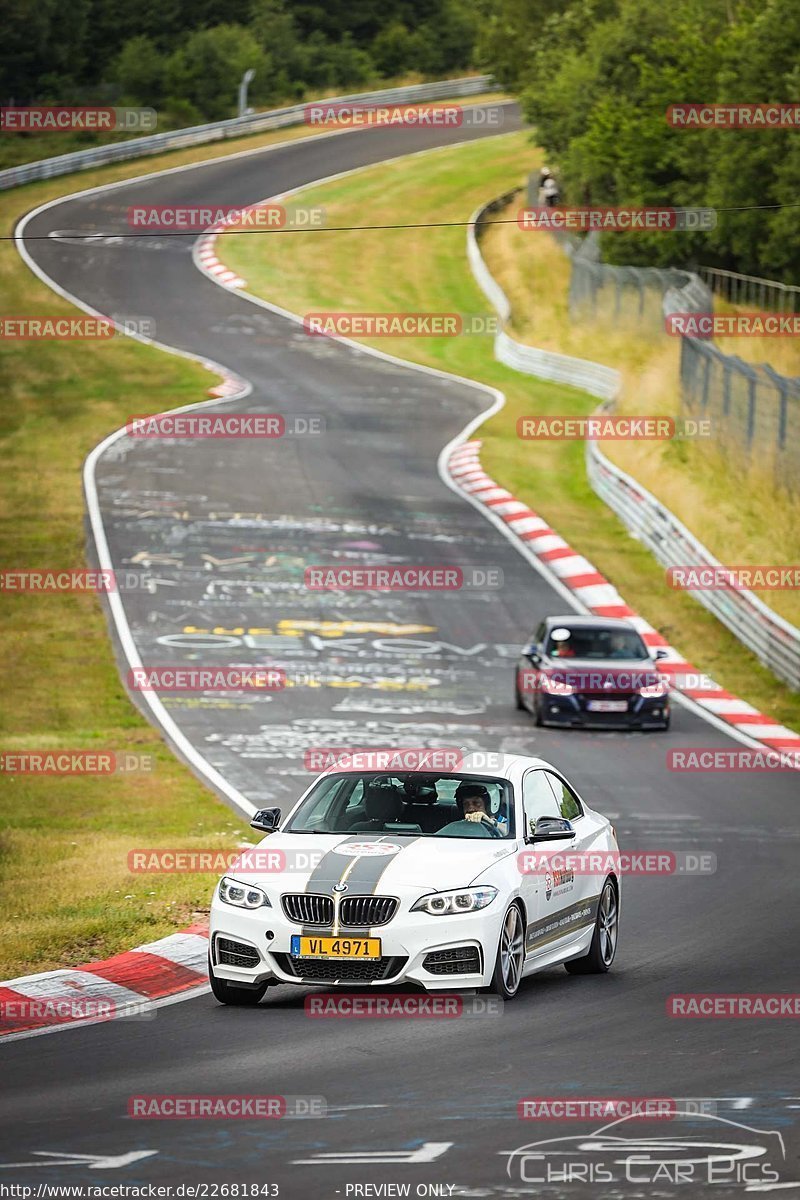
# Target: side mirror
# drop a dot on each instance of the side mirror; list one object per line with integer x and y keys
{"x": 532, "y": 652}
{"x": 662, "y": 653}
{"x": 552, "y": 829}
{"x": 266, "y": 819}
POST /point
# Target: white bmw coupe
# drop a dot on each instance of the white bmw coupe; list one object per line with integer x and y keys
{"x": 468, "y": 878}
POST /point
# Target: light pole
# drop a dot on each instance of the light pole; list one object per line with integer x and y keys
{"x": 247, "y": 79}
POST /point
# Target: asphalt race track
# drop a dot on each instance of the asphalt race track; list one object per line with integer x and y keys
{"x": 368, "y": 490}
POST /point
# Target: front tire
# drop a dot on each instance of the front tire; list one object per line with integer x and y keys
{"x": 510, "y": 955}
{"x": 229, "y": 993}
{"x": 604, "y": 939}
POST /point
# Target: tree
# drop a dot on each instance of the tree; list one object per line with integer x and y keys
{"x": 140, "y": 72}
{"x": 207, "y": 69}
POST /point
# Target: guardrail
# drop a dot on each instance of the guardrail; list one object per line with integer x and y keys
{"x": 277, "y": 118}
{"x": 592, "y": 377}
{"x": 774, "y": 641}
{"x": 751, "y": 289}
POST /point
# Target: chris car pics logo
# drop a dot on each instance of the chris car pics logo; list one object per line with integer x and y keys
{"x": 700, "y": 1149}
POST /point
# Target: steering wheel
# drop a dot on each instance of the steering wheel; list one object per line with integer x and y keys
{"x": 486, "y": 830}
{"x": 492, "y": 830}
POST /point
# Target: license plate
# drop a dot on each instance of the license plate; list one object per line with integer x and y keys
{"x": 335, "y": 947}
{"x": 607, "y": 705}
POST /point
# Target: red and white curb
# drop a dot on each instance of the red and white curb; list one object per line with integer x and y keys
{"x": 206, "y": 255}
{"x": 231, "y": 385}
{"x": 601, "y": 598}
{"x": 127, "y": 985}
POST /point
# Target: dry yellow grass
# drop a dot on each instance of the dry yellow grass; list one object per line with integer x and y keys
{"x": 735, "y": 510}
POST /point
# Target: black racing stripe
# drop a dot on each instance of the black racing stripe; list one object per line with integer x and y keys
{"x": 365, "y": 873}
{"x": 578, "y": 916}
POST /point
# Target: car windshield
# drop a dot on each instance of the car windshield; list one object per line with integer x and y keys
{"x": 595, "y": 642}
{"x": 407, "y": 804}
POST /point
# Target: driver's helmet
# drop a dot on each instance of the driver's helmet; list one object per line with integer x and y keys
{"x": 473, "y": 789}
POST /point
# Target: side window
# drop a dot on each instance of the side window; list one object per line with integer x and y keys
{"x": 569, "y": 806}
{"x": 538, "y": 799}
{"x": 539, "y": 635}
{"x": 356, "y": 796}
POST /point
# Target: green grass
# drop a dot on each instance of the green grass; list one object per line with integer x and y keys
{"x": 66, "y": 896}
{"x": 426, "y": 269}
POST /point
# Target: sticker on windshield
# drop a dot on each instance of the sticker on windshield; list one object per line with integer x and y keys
{"x": 560, "y": 635}
{"x": 367, "y": 849}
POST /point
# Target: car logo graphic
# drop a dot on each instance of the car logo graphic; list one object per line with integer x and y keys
{"x": 340, "y": 887}
{"x": 725, "y": 1149}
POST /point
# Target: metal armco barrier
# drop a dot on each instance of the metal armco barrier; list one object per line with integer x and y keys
{"x": 774, "y": 641}
{"x": 752, "y": 289}
{"x": 277, "y": 118}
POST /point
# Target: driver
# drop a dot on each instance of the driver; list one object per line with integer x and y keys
{"x": 474, "y": 802}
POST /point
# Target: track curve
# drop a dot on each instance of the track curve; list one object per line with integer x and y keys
{"x": 371, "y": 486}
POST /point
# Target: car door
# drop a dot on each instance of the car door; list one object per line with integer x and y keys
{"x": 576, "y": 890}
{"x": 542, "y": 929}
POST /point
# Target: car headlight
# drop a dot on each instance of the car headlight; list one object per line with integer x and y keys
{"x": 653, "y": 690}
{"x": 556, "y": 686}
{"x": 447, "y": 904}
{"x": 242, "y": 895}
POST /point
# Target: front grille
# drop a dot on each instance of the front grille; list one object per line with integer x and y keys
{"x": 347, "y": 970}
{"x": 308, "y": 908}
{"x": 236, "y": 954}
{"x": 626, "y": 696}
{"x": 367, "y": 910}
{"x": 461, "y": 960}
{"x": 355, "y": 912}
